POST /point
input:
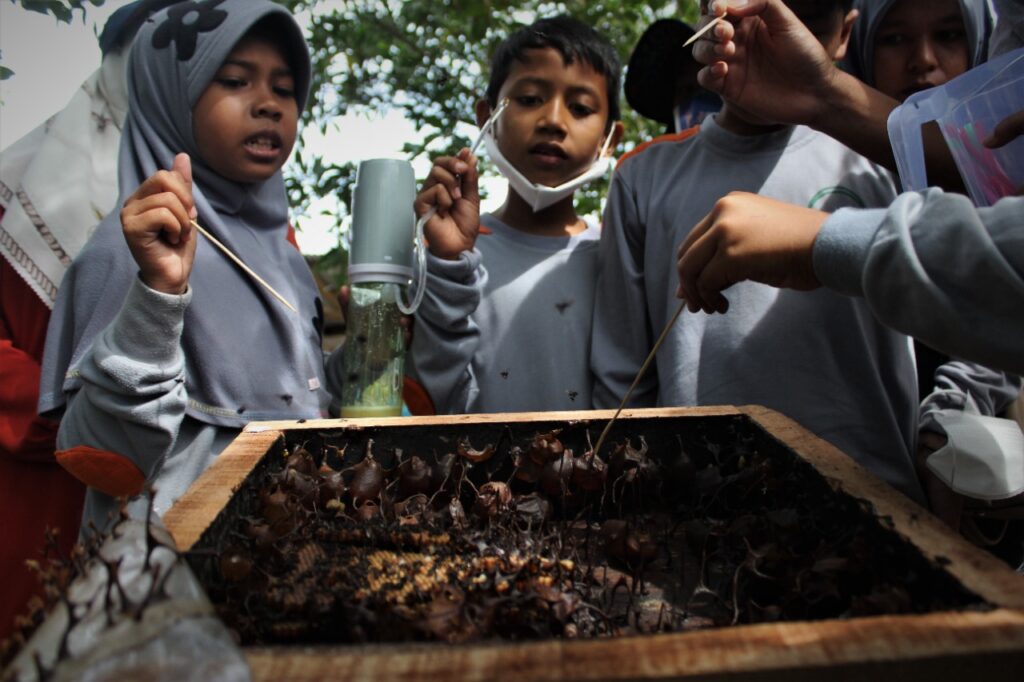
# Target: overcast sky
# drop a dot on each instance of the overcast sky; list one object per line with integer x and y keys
{"x": 51, "y": 59}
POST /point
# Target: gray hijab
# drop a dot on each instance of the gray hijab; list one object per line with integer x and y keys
{"x": 860, "y": 59}
{"x": 247, "y": 356}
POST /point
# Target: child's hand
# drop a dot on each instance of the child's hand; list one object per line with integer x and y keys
{"x": 452, "y": 189}
{"x": 156, "y": 223}
{"x": 764, "y": 61}
{"x": 1008, "y": 130}
{"x": 747, "y": 237}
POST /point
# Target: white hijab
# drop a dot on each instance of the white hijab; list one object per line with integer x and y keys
{"x": 61, "y": 172}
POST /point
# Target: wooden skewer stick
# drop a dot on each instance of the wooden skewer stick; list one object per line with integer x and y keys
{"x": 432, "y": 211}
{"x": 238, "y": 261}
{"x": 640, "y": 374}
{"x": 707, "y": 27}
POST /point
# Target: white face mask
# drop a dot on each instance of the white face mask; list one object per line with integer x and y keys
{"x": 983, "y": 458}
{"x": 539, "y": 197}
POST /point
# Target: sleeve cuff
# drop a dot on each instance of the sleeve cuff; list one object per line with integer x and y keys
{"x": 107, "y": 472}
{"x": 150, "y": 323}
{"x": 462, "y": 270}
{"x": 841, "y": 248}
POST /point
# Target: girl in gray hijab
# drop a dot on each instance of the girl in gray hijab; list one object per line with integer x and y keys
{"x": 901, "y": 47}
{"x": 160, "y": 348}
{"x": 890, "y": 35}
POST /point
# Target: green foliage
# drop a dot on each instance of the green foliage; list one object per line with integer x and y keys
{"x": 429, "y": 59}
{"x": 62, "y": 10}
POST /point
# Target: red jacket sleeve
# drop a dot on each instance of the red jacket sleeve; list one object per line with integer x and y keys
{"x": 23, "y": 320}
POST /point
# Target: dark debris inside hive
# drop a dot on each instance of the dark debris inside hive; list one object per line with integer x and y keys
{"x": 519, "y": 532}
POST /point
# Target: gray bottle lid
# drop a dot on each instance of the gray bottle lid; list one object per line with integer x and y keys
{"x": 379, "y": 272}
{"x": 383, "y": 221}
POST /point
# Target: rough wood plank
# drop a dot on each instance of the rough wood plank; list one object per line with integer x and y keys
{"x": 932, "y": 647}
{"x": 499, "y": 418}
{"x": 978, "y": 570}
{"x": 194, "y": 511}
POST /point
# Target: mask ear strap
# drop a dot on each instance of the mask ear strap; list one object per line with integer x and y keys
{"x": 488, "y": 124}
{"x": 420, "y": 246}
{"x": 607, "y": 143}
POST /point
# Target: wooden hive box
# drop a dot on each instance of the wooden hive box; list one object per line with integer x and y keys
{"x": 982, "y": 638}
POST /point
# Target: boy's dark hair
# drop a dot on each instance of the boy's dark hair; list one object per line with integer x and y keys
{"x": 844, "y": 5}
{"x": 819, "y": 16}
{"x": 574, "y": 40}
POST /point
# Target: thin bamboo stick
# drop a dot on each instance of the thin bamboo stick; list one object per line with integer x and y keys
{"x": 707, "y": 27}
{"x": 238, "y": 261}
{"x": 640, "y": 374}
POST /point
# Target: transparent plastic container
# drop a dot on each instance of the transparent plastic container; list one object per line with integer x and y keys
{"x": 374, "y": 353}
{"x": 967, "y": 110}
{"x": 380, "y": 266}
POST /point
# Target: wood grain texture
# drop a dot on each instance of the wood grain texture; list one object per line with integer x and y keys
{"x": 199, "y": 506}
{"x": 945, "y": 646}
{"x": 985, "y": 646}
{"x": 495, "y": 418}
{"x": 978, "y": 570}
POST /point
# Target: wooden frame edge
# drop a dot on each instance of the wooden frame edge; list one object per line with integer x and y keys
{"x": 752, "y": 651}
{"x": 978, "y": 570}
{"x": 194, "y": 511}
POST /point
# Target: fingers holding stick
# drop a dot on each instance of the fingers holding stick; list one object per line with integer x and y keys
{"x": 449, "y": 203}
{"x": 699, "y": 281}
{"x": 157, "y": 224}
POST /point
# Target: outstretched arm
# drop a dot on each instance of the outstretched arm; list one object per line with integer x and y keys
{"x": 122, "y": 422}
{"x": 765, "y": 61}
{"x": 447, "y": 337}
{"x": 899, "y": 259}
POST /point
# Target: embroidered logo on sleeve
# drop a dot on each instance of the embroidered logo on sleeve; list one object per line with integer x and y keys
{"x": 833, "y": 198}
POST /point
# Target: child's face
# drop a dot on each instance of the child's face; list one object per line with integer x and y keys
{"x": 554, "y": 126}
{"x": 919, "y": 45}
{"x": 245, "y": 121}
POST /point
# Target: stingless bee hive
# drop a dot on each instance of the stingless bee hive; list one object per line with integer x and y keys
{"x": 710, "y": 543}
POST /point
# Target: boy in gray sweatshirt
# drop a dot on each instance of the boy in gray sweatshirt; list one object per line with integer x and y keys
{"x": 820, "y": 358}
{"x": 505, "y": 321}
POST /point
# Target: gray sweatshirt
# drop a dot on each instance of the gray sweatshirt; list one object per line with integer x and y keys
{"x": 935, "y": 266}
{"x": 133, "y": 400}
{"x": 1008, "y": 33}
{"x": 819, "y": 357}
{"x": 506, "y": 327}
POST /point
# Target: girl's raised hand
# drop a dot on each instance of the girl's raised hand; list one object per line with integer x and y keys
{"x": 156, "y": 222}
{"x": 452, "y": 188}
